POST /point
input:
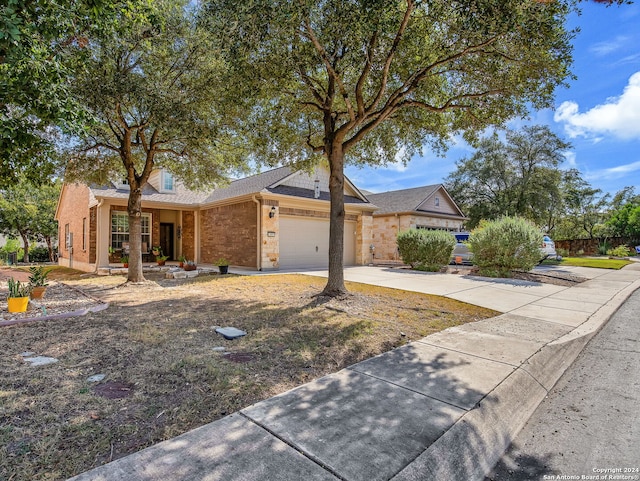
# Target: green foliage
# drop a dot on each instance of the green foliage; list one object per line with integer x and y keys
{"x": 221, "y": 262}
{"x": 620, "y": 251}
{"x": 426, "y": 250}
{"x": 603, "y": 248}
{"x": 562, "y": 252}
{"x": 519, "y": 176}
{"x": 39, "y": 254}
{"x": 18, "y": 289}
{"x": 506, "y": 244}
{"x": 38, "y": 276}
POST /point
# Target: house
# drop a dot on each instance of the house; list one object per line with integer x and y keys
{"x": 427, "y": 207}
{"x": 278, "y": 219}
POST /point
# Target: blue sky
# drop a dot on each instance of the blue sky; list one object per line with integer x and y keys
{"x": 599, "y": 114}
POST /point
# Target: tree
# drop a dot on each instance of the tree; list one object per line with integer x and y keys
{"x": 625, "y": 214}
{"x": 584, "y": 208}
{"x": 374, "y": 81}
{"x": 517, "y": 177}
{"x": 28, "y": 211}
{"x": 151, "y": 85}
{"x": 38, "y": 43}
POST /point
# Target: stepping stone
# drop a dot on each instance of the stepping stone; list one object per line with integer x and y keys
{"x": 230, "y": 333}
{"x": 219, "y": 349}
{"x": 40, "y": 360}
{"x": 96, "y": 378}
{"x": 27, "y": 354}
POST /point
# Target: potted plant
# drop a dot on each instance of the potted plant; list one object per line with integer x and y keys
{"x": 182, "y": 260}
{"x": 190, "y": 266}
{"x": 156, "y": 251}
{"x": 223, "y": 265}
{"x": 125, "y": 261}
{"x": 18, "y": 298}
{"x": 38, "y": 281}
{"x": 161, "y": 259}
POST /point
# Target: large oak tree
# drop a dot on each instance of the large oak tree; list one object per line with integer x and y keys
{"x": 151, "y": 85}
{"x": 373, "y": 81}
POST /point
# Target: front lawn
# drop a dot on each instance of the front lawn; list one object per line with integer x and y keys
{"x": 174, "y": 372}
{"x": 599, "y": 262}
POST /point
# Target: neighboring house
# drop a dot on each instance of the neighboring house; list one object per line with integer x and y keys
{"x": 274, "y": 220}
{"x": 428, "y": 207}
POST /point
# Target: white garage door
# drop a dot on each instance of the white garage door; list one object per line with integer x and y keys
{"x": 305, "y": 242}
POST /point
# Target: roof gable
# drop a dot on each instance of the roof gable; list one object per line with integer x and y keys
{"x": 417, "y": 199}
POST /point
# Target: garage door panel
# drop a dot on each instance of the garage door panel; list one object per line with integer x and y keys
{"x": 305, "y": 242}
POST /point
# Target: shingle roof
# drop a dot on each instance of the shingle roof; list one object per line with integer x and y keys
{"x": 405, "y": 200}
{"x": 181, "y": 196}
{"x": 249, "y": 185}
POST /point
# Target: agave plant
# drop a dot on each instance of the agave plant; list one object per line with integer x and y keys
{"x": 38, "y": 276}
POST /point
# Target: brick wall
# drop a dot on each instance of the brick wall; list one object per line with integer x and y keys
{"x": 74, "y": 207}
{"x": 188, "y": 235}
{"x": 229, "y": 232}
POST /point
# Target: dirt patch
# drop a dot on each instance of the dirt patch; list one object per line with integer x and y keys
{"x": 114, "y": 390}
{"x": 158, "y": 339}
{"x": 555, "y": 278}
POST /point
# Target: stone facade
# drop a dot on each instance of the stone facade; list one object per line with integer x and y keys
{"x": 386, "y": 229}
{"x": 229, "y": 231}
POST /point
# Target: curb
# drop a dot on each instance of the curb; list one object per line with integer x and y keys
{"x": 482, "y": 435}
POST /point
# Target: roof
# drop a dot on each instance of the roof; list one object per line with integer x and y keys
{"x": 271, "y": 181}
{"x": 181, "y": 195}
{"x": 405, "y": 200}
{"x": 408, "y": 200}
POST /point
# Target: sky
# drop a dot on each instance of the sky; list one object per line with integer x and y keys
{"x": 599, "y": 113}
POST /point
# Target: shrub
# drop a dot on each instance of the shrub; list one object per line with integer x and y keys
{"x": 426, "y": 250}
{"x": 562, "y": 252}
{"x": 39, "y": 254}
{"x": 603, "y": 248}
{"x": 505, "y": 244}
{"x": 620, "y": 251}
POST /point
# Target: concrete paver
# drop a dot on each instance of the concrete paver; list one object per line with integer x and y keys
{"x": 443, "y": 407}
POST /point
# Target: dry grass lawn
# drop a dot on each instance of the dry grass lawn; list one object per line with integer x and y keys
{"x": 158, "y": 340}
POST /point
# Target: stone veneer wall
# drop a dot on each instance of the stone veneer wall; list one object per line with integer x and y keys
{"x": 364, "y": 238}
{"x": 231, "y": 232}
{"x": 270, "y": 255}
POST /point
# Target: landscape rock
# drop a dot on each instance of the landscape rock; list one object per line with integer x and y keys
{"x": 230, "y": 333}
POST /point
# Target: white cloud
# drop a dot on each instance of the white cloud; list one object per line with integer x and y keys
{"x": 570, "y": 159}
{"x": 618, "y": 116}
{"x": 605, "y": 48}
{"x": 615, "y": 172}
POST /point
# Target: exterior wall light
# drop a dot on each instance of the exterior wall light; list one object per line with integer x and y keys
{"x": 316, "y": 190}
{"x": 272, "y": 212}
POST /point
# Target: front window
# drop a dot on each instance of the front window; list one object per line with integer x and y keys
{"x": 120, "y": 229}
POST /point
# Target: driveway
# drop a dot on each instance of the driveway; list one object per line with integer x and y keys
{"x": 571, "y": 305}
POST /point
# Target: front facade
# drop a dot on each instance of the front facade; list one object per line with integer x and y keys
{"x": 275, "y": 220}
{"x": 427, "y": 207}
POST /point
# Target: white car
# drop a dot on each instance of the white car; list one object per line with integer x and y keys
{"x": 548, "y": 249}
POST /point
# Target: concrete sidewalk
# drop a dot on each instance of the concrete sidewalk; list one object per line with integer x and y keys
{"x": 441, "y": 408}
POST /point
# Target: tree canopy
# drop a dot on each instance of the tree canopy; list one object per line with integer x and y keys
{"x": 375, "y": 81}
{"x": 151, "y": 86}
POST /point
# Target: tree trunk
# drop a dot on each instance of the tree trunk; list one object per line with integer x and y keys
{"x": 134, "y": 209}
{"x": 25, "y": 242}
{"x": 335, "y": 283}
{"x": 47, "y": 239}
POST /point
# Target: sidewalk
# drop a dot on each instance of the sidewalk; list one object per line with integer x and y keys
{"x": 441, "y": 408}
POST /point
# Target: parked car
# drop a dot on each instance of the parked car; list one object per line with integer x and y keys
{"x": 461, "y": 253}
{"x": 548, "y": 249}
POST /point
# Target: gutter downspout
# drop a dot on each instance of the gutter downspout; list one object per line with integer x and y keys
{"x": 100, "y": 202}
{"x": 259, "y": 233}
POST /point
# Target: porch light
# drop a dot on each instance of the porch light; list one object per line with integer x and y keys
{"x": 272, "y": 212}
{"x": 316, "y": 189}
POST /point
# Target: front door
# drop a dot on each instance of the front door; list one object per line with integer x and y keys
{"x": 166, "y": 239}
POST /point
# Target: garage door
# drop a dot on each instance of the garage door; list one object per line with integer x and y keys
{"x": 305, "y": 243}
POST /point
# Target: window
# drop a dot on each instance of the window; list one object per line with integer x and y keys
{"x": 120, "y": 229}
{"x": 437, "y": 201}
{"x": 167, "y": 181}
{"x": 67, "y": 237}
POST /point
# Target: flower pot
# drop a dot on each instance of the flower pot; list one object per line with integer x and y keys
{"x": 190, "y": 267}
{"x": 125, "y": 264}
{"x": 17, "y": 304}
{"x": 160, "y": 263}
{"x": 223, "y": 269}
{"x": 38, "y": 292}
